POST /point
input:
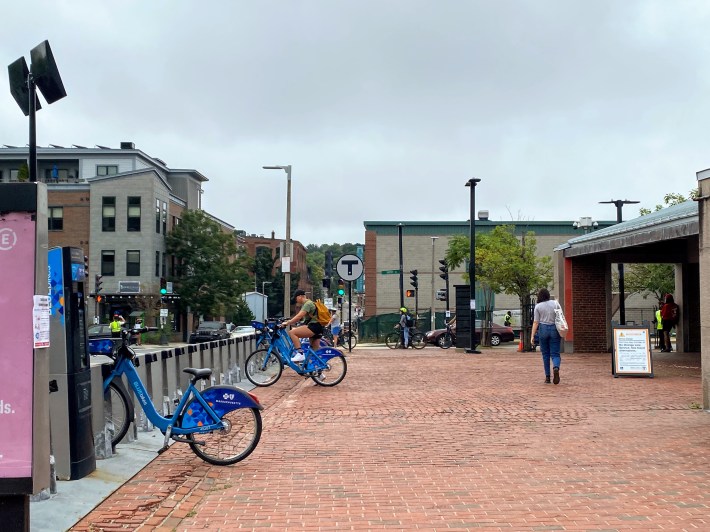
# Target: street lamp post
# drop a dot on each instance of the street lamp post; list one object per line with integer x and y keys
{"x": 622, "y": 306}
{"x": 286, "y": 259}
{"x": 433, "y": 275}
{"x": 263, "y": 300}
{"x": 472, "y": 266}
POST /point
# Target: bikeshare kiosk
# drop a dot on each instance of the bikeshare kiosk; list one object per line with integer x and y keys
{"x": 24, "y": 337}
{"x": 70, "y": 408}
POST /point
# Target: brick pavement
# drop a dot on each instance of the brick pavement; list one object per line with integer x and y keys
{"x": 442, "y": 440}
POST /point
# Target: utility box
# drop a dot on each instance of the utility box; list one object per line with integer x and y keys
{"x": 70, "y": 408}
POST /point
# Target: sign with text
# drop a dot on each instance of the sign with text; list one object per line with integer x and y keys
{"x": 17, "y": 284}
{"x": 632, "y": 352}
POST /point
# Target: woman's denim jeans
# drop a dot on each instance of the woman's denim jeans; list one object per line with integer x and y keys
{"x": 550, "y": 346}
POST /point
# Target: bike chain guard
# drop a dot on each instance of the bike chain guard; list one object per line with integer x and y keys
{"x": 222, "y": 399}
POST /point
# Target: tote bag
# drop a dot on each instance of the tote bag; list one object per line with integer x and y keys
{"x": 561, "y": 322}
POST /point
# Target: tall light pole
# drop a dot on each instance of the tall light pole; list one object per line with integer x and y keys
{"x": 433, "y": 274}
{"x": 286, "y": 259}
{"x": 622, "y": 306}
{"x": 472, "y": 266}
{"x": 263, "y": 300}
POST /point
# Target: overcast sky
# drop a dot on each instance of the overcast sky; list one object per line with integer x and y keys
{"x": 383, "y": 108}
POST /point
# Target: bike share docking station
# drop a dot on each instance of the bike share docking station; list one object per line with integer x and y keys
{"x": 69, "y": 366}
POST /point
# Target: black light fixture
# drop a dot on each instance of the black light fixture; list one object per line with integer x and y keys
{"x": 43, "y": 74}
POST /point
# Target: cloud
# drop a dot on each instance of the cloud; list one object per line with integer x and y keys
{"x": 384, "y": 109}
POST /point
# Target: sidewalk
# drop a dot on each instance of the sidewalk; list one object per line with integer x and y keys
{"x": 443, "y": 440}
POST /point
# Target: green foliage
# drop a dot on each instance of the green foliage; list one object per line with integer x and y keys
{"x": 649, "y": 279}
{"x": 672, "y": 198}
{"x": 23, "y": 173}
{"x": 212, "y": 273}
{"x": 242, "y": 315}
{"x": 504, "y": 263}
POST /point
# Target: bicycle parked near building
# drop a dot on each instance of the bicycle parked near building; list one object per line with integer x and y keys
{"x": 326, "y": 366}
{"x": 221, "y": 424}
{"x": 416, "y": 338}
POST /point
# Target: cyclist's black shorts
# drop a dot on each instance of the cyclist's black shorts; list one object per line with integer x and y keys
{"x": 316, "y": 328}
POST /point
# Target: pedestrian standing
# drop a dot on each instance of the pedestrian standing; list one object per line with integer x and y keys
{"x": 660, "y": 342}
{"x": 549, "y": 338}
{"x": 669, "y": 315}
{"x": 507, "y": 319}
{"x": 335, "y": 325}
{"x": 116, "y": 325}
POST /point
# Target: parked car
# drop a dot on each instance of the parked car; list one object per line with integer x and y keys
{"x": 208, "y": 331}
{"x": 241, "y": 330}
{"x": 101, "y": 330}
{"x": 499, "y": 334}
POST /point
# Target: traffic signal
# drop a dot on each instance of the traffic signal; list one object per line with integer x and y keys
{"x": 329, "y": 264}
{"x": 326, "y": 282}
{"x": 163, "y": 286}
{"x": 341, "y": 287}
{"x": 409, "y": 293}
{"x": 97, "y": 283}
{"x": 413, "y": 278}
{"x": 444, "y": 270}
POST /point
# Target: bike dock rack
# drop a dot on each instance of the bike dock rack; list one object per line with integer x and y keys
{"x": 161, "y": 372}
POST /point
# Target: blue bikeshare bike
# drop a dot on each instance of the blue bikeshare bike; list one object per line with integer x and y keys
{"x": 326, "y": 366}
{"x": 221, "y": 424}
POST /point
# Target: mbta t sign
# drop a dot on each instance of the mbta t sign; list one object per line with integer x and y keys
{"x": 349, "y": 267}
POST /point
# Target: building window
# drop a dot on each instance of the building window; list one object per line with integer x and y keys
{"x": 176, "y": 221}
{"x": 165, "y": 266}
{"x": 134, "y": 214}
{"x": 56, "y": 174}
{"x": 55, "y": 217}
{"x": 106, "y": 169}
{"x": 14, "y": 174}
{"x": 133, "y": 263}
{"x": 157, "y": 216}
{"x": 165, "y": 218}
{"x": 108, "y": 214}
{"x": 108, "y": 262}
{"x": 157, "y": 263}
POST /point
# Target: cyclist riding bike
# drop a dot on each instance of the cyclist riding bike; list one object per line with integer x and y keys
{"x": 310, "y": 329}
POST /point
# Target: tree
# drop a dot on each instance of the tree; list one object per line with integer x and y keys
{"x": 505, "y": 263}
{"x": 212, "y": 273}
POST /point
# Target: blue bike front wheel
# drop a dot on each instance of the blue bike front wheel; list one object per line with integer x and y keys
{"x": 263, "y": 368}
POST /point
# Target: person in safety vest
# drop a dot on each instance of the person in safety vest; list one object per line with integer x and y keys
{"x": 659, "y": 329}
{"x": 116, "y": 325}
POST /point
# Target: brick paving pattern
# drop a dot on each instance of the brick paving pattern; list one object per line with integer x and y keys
{"x": 442, "y": 440}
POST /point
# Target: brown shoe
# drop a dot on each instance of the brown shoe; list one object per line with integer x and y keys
{"x": 547, "y": 379}
{"x": 556, "y": 375}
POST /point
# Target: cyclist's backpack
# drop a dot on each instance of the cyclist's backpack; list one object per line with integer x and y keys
{"x": 410, "y": 321}
{"x": 322, "y": 315}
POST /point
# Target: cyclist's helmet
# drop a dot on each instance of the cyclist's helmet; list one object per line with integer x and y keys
{"x": 403, "y": 309}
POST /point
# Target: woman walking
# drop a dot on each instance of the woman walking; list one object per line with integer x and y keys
{"x": 544, "y": 324}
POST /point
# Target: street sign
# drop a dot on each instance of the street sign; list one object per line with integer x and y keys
{"x": 385, "y": 272}
{"x": 349, "y": 267}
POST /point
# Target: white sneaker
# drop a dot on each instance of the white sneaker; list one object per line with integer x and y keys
{"x": 298, "y": 357}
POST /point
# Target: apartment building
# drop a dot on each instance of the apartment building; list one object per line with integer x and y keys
{"x": 117, "y": 205}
